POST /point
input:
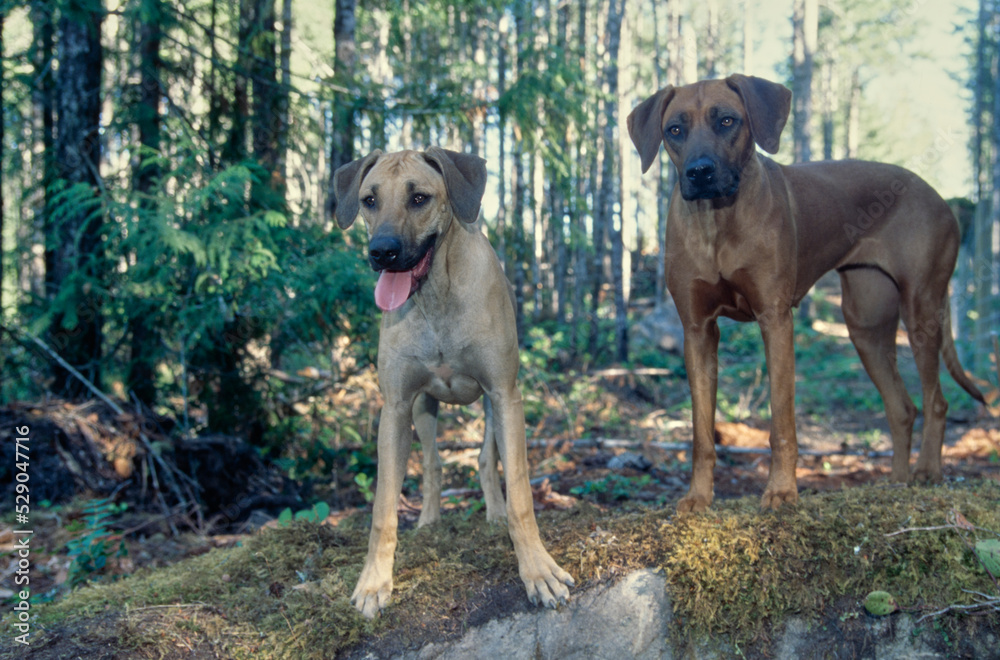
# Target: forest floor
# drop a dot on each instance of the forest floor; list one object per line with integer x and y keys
{"x": 604, "y": 446}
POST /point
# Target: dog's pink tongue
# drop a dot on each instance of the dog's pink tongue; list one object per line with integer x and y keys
{"x": 392, "y": 289}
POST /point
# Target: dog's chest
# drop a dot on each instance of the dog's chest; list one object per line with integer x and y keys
{"x": 438, "y": 361}
{"x": 449, "y": 386}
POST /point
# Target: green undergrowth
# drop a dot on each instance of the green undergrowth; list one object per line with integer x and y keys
{"x": 735, "y": 570}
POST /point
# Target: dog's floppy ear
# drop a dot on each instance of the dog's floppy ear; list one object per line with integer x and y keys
{"x": 767, "y": 105}
{"x": 346, "y": 182}
{"x": 464, "y": 178}
{"x": 645, "y": 125}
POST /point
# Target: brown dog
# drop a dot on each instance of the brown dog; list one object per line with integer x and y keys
{"x": 448, "y": 334}
{"x": 747, "y": 238}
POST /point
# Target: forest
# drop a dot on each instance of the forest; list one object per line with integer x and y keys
{"x": 180, "y": 315}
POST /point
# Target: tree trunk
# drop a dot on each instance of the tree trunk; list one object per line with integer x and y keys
{"x": 3, "y": 122}
{"x": 264, "y": 85}
{"x": 612, "y": 184}
{"x": 213, "y": 93}
{"x": 712, "y": 39}
{"x": 43, "y": 101}
{"x": 578, "y": 229}
{"x": 76, "y": 238}
{"x": 146, "y": 173}
{"x": 829, "y": 105}
{"x": 852, "y": 134}
{"x": 236, "y": 147}
{"x": 501, "y": 228}
{"x": 344, "y": 66}
{"x": 518, "y": 186}
{"x": 805, "y": 18}
{"x": 988, "y": 220}
{"x": 561, "y": 186}
{"x": 748, "y": 38}
{"x": 284, "y": 95}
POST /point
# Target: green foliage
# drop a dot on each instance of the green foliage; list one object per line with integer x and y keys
{"x": 91, "y": 550}
{"x": 316, "y": 514}
{"x": 612, "y": 487}
{"x": 365, "y": 483}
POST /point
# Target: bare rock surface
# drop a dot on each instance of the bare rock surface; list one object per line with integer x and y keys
{"x": 632, "y": 618}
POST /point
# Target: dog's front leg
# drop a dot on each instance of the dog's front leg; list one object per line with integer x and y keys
{"x": 701, "y": 359}
{"x": 778, "y": 330}
{"x": 425, "y": 410}
{"x": 546, "y": 583}
{"x": 375, "y": 583}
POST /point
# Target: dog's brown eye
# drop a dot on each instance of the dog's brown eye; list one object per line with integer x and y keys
{"x": 674, "y": 130}
{"x": 369, "y": 201}
{"x": 419, "y": 199}
{"x": 726, "y": 122}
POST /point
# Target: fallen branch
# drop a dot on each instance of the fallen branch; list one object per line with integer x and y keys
{"x": 988, "y": 604}
{"x": 641, "y": 371}
{"x": 615, "y": 443}
{"x": 76, "y": 374}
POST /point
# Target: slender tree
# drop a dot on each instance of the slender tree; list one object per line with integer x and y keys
{"x": 612, "y": 185}
{"x": 236, "y": 146}
{"x": 578, "y": 218}
{"x": 344, "y": 63}
{"x": 74, "y": 234}
{"x": 284, "y": 90}
{"x": 43, "y": 110}
{"x": 146, "y": 173}
{"x": 3, "y": 123}
{"x": 987, "y": 219}
{"x": 805, "y": 25}
{"x": 266, "y": 114}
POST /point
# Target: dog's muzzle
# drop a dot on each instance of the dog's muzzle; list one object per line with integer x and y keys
{"x": 402, "y": 270}
{"x": 703, "y": 179}
{"x": 384, "y": 251}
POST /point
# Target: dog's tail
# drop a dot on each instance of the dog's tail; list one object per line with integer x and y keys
{"x": 950, "y": 356}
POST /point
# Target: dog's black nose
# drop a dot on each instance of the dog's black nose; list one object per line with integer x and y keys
{"x": 701, "y": 171}
{"x": 383, "y": 251}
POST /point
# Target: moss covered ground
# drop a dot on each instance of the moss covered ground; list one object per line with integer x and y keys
{"x": 284, "y": 592}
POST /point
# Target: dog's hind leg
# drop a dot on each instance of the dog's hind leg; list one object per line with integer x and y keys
{"x": 922, "y": 316}
{"x": 871, "y": 311}
{"x": 489, "y": 476}
{"x": 425, "y": 410}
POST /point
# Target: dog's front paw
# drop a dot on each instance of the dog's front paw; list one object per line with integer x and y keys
{"x": 428, "y": 516}
{"x": 373, "y": 590}
{"x": 547, "y": 584}
{"x": 927, "y": 475}
{"x": 774, "y": 498}
{"x": 900, "y": 476}
{"x": 693, "y": 503}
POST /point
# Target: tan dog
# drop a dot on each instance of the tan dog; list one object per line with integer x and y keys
{"x": 747, "y": 238}
{"x": 448, "y": 334}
